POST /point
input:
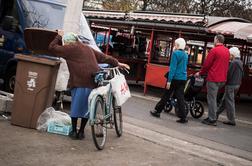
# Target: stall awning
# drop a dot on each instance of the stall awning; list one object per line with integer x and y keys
{"x": 244, "y": 33}
{"x": 148, "y": 16}
{"x": 249, "y": 38}
{"x": 240, "y": 30}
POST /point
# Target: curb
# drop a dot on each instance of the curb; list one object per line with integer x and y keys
{"x": 220, "y": 157}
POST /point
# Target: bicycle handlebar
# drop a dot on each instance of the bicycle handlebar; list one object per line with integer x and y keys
{"x": 113, "y": 68}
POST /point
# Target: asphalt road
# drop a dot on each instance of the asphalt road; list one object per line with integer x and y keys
{"x": 239, "y": 137}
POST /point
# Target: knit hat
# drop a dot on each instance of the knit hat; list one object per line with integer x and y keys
{"x": 235, "y": 52}
{"x": 69, "y": 38}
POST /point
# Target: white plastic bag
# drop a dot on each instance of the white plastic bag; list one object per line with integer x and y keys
{"x": 120, "y": 88}
{"x": 102, "y": 90}
{"x": 50, "y": 115}
{"x": 62, "y": 77}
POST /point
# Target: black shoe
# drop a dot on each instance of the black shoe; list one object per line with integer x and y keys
{"x": 207, "y": 121}
{"x": 73, "y": 135}
{"x": 81, "y": 135}
{"x": 182, "y": 121}
{"x": 229, "y": 123}
{"x": 155, "y": 113}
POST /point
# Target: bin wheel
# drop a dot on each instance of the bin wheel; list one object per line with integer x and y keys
{"x": 9, "y": 81}
{"x": 197, "y": 110}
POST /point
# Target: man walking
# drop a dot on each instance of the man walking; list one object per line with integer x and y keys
{"x": 234, "y": 78}
{"x": 216, "y": 67}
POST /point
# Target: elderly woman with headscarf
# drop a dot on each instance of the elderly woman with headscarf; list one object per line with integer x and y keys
{"x": 82, "y": 62}
{"x": 175, "y": 82}
{"x": 234, "y": 78}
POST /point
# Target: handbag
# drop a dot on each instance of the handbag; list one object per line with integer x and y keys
{"x": 120, "y": 88}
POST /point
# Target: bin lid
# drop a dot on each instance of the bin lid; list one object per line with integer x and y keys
{"x": 36, "y": 59}
{"x": 37, "y": 40}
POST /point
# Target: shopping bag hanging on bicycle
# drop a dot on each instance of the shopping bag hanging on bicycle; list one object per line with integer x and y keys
{"x": 120, "y": 87}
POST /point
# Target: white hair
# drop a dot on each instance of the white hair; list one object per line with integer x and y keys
{"x": 181, "y": 43}
{"x": 235, "y": 52}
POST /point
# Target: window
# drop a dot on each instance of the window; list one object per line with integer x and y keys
{"x": 195, "y": 50}
{"x": 161, "y": 49}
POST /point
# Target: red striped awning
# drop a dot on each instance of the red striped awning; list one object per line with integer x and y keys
{"x": 240, "y": 30}
{"x": 177, "y": 18}
{"x": 244, "y": 33}
{"x": 249, "y": 38}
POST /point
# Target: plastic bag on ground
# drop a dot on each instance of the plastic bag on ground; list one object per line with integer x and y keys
{"x": 50, "y": 115}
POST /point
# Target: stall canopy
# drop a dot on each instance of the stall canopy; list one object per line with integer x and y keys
{"x": 239, "y": 30}
{"x": 244, "y": 33}
{"x": 139, "y": 19}
{"x": 147, "y": 16}
{"x": 234, "y": 27}
{"x": 249, "y": 38}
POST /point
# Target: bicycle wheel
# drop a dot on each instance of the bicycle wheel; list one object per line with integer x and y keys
{"x": 99, "y": 128}
{"x": 197, "y": 110}
{"x": 117, "y": 110}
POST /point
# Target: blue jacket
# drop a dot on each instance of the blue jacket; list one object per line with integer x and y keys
{"x": 178, "y": 66}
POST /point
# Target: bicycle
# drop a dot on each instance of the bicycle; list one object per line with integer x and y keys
{"x": 104, "y": 113}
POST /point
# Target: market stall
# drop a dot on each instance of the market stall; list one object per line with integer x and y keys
{"x": 159, "y": 31}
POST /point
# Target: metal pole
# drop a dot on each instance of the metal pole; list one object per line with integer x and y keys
{"x": 150, "y": 46}
{"x": 149, "y": 58}
{"x": 204, "y": 53}
{"x": 107, "y": 47}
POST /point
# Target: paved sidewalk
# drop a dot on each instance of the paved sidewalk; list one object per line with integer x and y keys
{"x": 27, "y": 147}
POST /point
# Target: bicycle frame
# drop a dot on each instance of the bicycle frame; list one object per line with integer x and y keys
{"x": 107, "y": 97}
{"x": 108, "y": 103}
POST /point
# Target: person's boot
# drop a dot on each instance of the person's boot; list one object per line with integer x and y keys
{"x": 207, "y": 121}
{"x": 73, "y": 133}
{"x": 155, "y": 113}
{"x": 182, "y": 120}
{"x": 229, "y": 123}
{"x": 81, "y": 134}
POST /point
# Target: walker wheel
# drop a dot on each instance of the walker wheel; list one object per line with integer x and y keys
{"x": 197, "y": 110}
